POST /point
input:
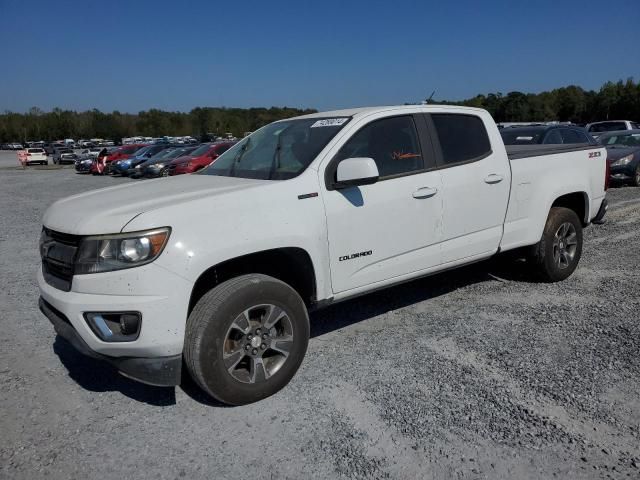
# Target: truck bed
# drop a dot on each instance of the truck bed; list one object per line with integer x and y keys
{"x": 515, "y": 152}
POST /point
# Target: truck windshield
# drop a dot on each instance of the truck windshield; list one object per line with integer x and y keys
{"x": 278, "y": 151}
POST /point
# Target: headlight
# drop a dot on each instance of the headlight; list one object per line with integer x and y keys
{"x": 105, "y": 253}
{"x": 622, "y": 161}
{"x": 159, "y": 165}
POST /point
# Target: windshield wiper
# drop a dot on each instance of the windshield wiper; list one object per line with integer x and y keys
{"x": 236, "y": 160}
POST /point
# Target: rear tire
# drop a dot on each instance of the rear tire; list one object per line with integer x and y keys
{"x": 246, "y": 338}
{"x": 557, "y": 254}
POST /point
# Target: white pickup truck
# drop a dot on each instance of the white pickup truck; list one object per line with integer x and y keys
{"x": 217, "y": 270}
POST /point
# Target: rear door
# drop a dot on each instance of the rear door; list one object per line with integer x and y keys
{"x": 475, "y": 183}
{"x": 391, "y": 228}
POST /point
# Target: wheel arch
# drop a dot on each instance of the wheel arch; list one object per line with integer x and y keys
{"x": 292, "y": 265}
{"x": 576, "y": 201}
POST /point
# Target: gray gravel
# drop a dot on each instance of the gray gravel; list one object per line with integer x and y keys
{"x": 477, "y": 373}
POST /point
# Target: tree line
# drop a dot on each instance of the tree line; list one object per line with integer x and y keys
{"x": 614, "y": 101}
{"x": 620, "y": 100}
{"x": 57, "y": 124}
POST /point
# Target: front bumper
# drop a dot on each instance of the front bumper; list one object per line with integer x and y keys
{"x": 623, "y": 172}
{"x": 160, "y": 296}
{"x": 159, "y": 371}
{"x": 153, "y": 171}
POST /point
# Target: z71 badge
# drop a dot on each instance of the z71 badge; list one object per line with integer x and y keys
{"x": 355, "y": 255}
{"x": 594, "y": 154}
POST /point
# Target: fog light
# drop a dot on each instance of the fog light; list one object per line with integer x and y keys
{"x": 114, "y": 326}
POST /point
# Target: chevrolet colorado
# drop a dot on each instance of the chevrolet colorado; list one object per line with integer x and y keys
{"x": 217, "y": 270}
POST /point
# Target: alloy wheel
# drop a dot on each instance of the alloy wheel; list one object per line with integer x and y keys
{"x": 565, "y": 244}
{"x": 258, "y": 343}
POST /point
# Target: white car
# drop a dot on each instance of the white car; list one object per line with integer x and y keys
{"x": 218, "y": 269}
{"x": 92, "y": 152}
{"x": 36, "y": 155}
{"x": 598, "y": 128}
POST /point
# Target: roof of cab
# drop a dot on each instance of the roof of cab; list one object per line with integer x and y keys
{"x": 353, "y": 112}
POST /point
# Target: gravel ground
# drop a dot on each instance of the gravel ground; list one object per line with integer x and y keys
{"x": 477, "y": 373}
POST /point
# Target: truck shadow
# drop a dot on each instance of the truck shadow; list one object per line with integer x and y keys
{"x": 98, "y": 376}
{"x": 342, "y": 314}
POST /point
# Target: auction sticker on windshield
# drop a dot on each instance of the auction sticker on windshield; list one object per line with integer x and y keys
{"x": 330, "y": 122}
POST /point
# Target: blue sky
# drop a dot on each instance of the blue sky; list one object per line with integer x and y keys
{"x": 175, "y": 55}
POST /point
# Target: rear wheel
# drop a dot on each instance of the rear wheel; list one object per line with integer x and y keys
{"x": 557, "y": 254}
{"x": 246, "y": 338}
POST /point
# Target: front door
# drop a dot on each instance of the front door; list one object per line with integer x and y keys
{"x": 391, "y": 228}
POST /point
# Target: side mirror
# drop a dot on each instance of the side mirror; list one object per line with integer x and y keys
{"x": 356, "y": 171}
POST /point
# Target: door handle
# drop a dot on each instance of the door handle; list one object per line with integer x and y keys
{"x": 425, "y": 192}
{"x": 493, "y": 178}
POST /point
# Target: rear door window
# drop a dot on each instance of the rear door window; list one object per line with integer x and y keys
{"x": 463, "y": 138}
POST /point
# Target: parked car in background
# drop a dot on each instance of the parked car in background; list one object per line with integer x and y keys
{"x": 119, "y": 153}
{"x": 199, "y": 158}
{"x": 598, "y": 128}
{"x": 623, "y": 155}
{"x": 92, "y": 151}
{"x": 99, "y": 162}
{"x": 545, "y": 134}
{"x": 159, "y": 167}
{"x": 122, "y": 166}
{"x": 14, "y": 146}
{"x": 36, "y": 155}
{"x": 63, "y": 155}
{"x": 83, "y": 164}
{"x": 135, "y": 167}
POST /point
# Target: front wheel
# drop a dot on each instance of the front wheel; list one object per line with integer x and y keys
{"x": 246, "y": 338}
{"x": 557, "y": 254}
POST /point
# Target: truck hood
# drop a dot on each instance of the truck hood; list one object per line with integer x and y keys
{"x": 108, "y": 210}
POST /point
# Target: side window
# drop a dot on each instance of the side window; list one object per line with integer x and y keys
{"x": 391, "y": 142}
{"x": 462, "y": 137}
{"x": 553, "y": 137}
{"x": 571, "y": 136}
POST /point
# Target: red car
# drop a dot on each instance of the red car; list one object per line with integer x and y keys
{"x": 198, "y": 159}
{"x": 102, "y": 163}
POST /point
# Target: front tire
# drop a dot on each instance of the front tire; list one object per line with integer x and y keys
{"x": 246, "y": 338}
{"x": 557, "y": 254}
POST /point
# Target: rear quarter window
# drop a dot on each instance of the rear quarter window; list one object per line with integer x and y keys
{"x": 463, "y": 138}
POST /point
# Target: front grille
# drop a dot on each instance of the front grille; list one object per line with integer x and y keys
{"x": 58, "y": 252}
